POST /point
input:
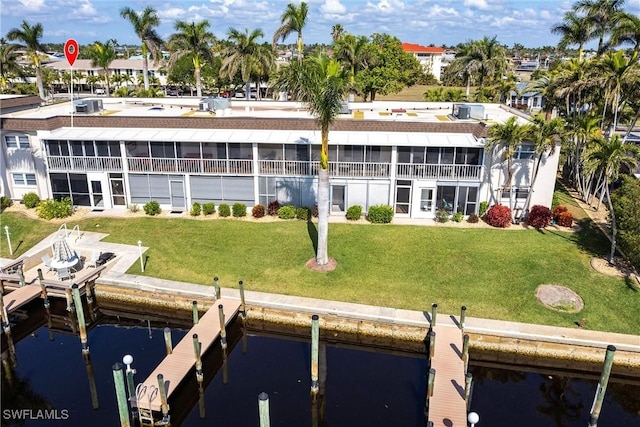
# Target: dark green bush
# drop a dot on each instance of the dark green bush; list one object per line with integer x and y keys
{"x": 195, "y": 209}
{"x": 152, "y": 208}
{"x": 354, "y": 212}
{"x": 224, "y": 210}
{"x": 380, "y": 214}
{"x": 239, "y": 210}
{"x": 484, "y": 207}
{"x": 458, "y": 217}
{"x": 273, "y": 207}
{"x": 258, "y": 211}
{"x": 287, "y": 212}
{"x": 303, "y": 213}
{"x": 473, "y": 219}
{"x": 5, "y": 202}
{"x": 48, "y": 209}
{"x": 208, "y": 208}
{"x": 442, "y": 215}
{"x": 30, "y": 200}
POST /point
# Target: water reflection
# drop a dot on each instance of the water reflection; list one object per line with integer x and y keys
{"x": 358, "y": 385}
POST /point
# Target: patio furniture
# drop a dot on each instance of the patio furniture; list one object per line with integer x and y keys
{"x": 103, "y": 258}
{"x": 64, "y": 273}
{"x": 93, "y": 262}
{"x": 46, "y": 259}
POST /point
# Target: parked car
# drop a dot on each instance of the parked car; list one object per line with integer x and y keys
{"x": 174, "y": 92}
{"x": 100, "y": 91}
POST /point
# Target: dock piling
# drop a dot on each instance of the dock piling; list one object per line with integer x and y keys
{"x": 121, "y": 396}
{"x": 21, "y": 275}
{"x": 216, "y": 287}
{"x": 194, "y": 308}
{"x": 432, "y": 344}
{"x": 196, "y": 352}
{"x": 468, "y": 388}
{"x": 463, "y": 315}
{"x": 243, "y": 306}
{"x": 45, "y": 296}
{"x": 167, "y": 340}
{"x": 263, "y": 407}
{"x": 128, "y": 360}
{"x": 93, "y": 390}
{"x": 315, "y": 345}
{"x": 6, "y": 326}
{"x": 602, "y": 386}
{"x": 69, "y": 296}
{"x": 80, "y": 315}
{"x": 223, "y": 329}
{"x": 465, "y": 352}
{"x": 434, "y": 312}
{"x": 162, "y": 390}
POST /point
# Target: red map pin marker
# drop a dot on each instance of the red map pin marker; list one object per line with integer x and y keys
{"x": 71, "y": 51}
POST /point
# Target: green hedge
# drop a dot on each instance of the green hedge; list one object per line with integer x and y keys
{"x": 354, "y": 212}
{"x": 224, "y": 210}
{"x": 152, "y": 208}
{"x": 380, "y": 214}
{"x": 208, "y": 208}
{"x": 48, "y": 209}
{"x": 287, "y": 212}
{"x": 30, "y": 200}
{"x": 239, "y": 210}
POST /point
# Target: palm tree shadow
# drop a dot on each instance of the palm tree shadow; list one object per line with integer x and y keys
{"x": 313, "y": 235}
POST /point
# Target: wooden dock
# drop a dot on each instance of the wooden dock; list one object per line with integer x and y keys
{"x": 447, "y": 407}
{"x": 16, "y": 299}
{"x": 177, "y": 365}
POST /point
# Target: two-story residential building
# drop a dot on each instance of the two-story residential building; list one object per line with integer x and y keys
{"x": 415, "y": 157}
{"x": 430, "y": 57}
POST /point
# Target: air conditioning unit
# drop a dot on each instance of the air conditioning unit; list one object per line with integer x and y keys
{"x": 87, "y": 105}
{"x": 80, "y": 108}
{"x": 464, "y": 112}
{"x": 203, "y": 106}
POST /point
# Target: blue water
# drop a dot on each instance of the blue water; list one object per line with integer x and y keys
{"x": 363, "y": 387}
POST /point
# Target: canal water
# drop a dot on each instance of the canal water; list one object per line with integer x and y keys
{"x": 363, "y": 387}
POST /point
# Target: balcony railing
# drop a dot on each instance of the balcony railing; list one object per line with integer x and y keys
{"x": 80, "y": 163}
{"x": 443, "y": 172}
{"x": 209, "y": 166}
{"x": 347, "y": 169}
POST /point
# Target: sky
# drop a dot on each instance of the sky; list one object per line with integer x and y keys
{"x": 424, "y": 22}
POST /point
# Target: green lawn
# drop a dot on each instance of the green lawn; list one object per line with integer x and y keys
{"x": 493, "y": 272}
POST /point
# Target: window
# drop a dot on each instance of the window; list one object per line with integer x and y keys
{"x": 24, "y": 178}
{"x": 17, "y": 141}
{"x": 522, "y": 193}
{"x": 525, "y": 151}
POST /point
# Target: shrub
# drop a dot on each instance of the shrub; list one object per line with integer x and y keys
{"x": 133, "y": 208}
{"x": 539, "y": 216}
{"x": 484, "y": 206}
{"x": 224, "y": 210}
{"x": 49, "y": 208}
{"x": 31, "y": 200}
{"x": 152, "y": 208}
{"x": 565, "y": 219}
{"x": 442, "y": 215}
{"x": 303, "y": 213}
{"x": 354, "y": 212}
{"x": 258, "y": 211}
{"x": 287, "y": 212}
{"x": 473, "y": 219}
{"x": 239, "y": 210}
{"x": 380, "y": 214}
{"x": 498, "y": 216}
{"x": 273, "y": 208}
{"x": 208, "y": 208}
{"x": 458, "y": 216}
{"x": 5, "y": 202}
{"x": 558, "y": 210}
{"x": 195, "y": 209}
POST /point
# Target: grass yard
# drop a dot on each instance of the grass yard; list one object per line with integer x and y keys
{"x": 493, "y": 272}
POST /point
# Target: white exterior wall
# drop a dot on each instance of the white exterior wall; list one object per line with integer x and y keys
{"x": 23, "y": 160}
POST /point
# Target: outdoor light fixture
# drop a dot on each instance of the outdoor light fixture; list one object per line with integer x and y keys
{"x": 140, "y": 252}
{"x": 473, "y": 418}
{"x": 127, "y": 360}
{"x": 6, "y": 230}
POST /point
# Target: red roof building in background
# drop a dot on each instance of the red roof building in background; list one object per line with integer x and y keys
{"x": 430, "y": 57}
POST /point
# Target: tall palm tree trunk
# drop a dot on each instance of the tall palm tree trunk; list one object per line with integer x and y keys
{"x": 198, "y": 82}
{"x": 39, "y": 82}
{"x": 145, "y": 67}
{"x": 614, "y": 230}
{"x": 322, "y": 256}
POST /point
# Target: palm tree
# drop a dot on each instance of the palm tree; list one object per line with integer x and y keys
{"x": 352, "y": 52}
{"x": 322, "y": 90}
{"x": 9, "y": 66}
{"x": 509, "y": 136}
{"x": 544, "y": 134}
{"x": 337, "y": 31}
{"x": 609, "y": 156}
{"x": 293, "y": 20}
{"x": 573, "y": 30}
{"x": 628, "y": 31}
{"x": 102, "y": 55}
{"x": 30, "y": 36}
{"x": 194, "y": 40}
{"x": 143, "y": 25}
{"x": 602, "y": 15}
{"x": 583, "y": 129}
{"x": 244, "y": 54}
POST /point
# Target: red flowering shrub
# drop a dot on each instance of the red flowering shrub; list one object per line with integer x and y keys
{"x": 539, "y": 216}
{"x": 273, "y": 207}
{"x": 565, "y": 219}
{"x": 258, "y": 211}
{"x": 498, "y": 216}
{"x": 558, "y": 210}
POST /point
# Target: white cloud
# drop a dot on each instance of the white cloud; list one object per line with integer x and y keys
{"x": 386, "y": 6}
{"x": 171, "y": 13}
{"x": 437, "y": 11}
{"x": 480, "y": 4}
{"x": 32, "y": 4}
{"x": 333, "y": 7}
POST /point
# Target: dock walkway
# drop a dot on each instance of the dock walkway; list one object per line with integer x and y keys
{"x": 16, "y": 299}
{"x": 447, "y": 406}
{"x": 175, "y": 366}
